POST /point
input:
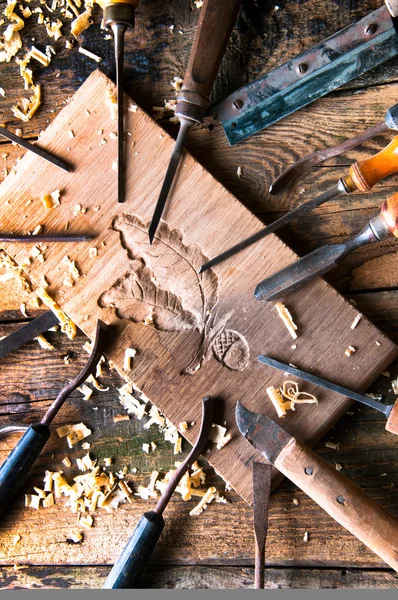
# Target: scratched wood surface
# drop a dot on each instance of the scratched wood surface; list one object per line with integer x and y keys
{"x": 154, "y": 56}
{"x": 193, "y": 319}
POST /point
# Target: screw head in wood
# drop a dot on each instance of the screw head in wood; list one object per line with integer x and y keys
{"x": 302, "y": 68}
{"x": 371, "y": 29}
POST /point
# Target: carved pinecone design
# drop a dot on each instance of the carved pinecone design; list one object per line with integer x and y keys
{"x": 231, "y": 349}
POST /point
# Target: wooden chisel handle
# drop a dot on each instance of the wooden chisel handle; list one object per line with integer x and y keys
{"x": 216, "y": 20}
{"x": 366, "y": 173}
{"x": 389, "y": 212}
{"x": 341, "y": 499}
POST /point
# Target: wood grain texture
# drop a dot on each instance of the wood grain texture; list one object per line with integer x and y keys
{"x": 198, "y": 210}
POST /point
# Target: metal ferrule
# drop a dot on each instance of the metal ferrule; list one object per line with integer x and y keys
{"x": 120, "y": 13}
{"x": 380, "y": 228}
{"x": 191, "y": 105}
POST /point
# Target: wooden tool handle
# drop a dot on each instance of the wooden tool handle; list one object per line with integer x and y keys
{"x": 389, "y": 210}
{"x": 216, "y": 21}
{"x": 392, "y": 421}
{"x": 366, "y": 173}
{"x": 342, "y": 500}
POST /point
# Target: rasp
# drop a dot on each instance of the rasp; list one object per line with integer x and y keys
{"x": 338, "y": 496}
{"x": 330, "y": 64}
{"x": 27, "y": 332}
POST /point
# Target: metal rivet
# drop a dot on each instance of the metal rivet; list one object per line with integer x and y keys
{"x": 302, "y": 68}
{"x": 371, "y": 29}
{"x": 308, "y": 470}
{"x": 237, "y": 104}
{"x": 233, "y": 125}
{"x": 340, "y": 499}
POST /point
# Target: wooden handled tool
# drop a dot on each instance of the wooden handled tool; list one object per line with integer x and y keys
{"x": 119, "y": 15}
{"x": 262, "y": 475}
{"x": 323, "y": 259}
{"x": 214, "y": 28}
{"x": 389, "y": 410}
{"x": 362, "y": 176}
{"x": 303, "y": 164}
{"x": 128, "y": 568}
{"x": 337, "y": 495}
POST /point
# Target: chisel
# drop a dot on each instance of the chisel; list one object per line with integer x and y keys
{"x": 119, "y": 15}
{"x": 324, "y": 259}
{"x": 389, "y": 410}
{"x": 35, "y": 149}
{"x": 338, "y": 496}
{"x": 262, "y": 475}
{"x": 301, "y": 166}
{"x": 129, "y": 566}
{"x": 214, "y": 28}
{"x": 362, "y": 176}
{"x": 15, "y": 469}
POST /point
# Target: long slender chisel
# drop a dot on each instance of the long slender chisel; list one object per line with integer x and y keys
{"x": 36, "y": 149}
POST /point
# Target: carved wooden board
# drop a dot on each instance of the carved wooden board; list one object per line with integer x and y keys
{"x": 179, "y": 322}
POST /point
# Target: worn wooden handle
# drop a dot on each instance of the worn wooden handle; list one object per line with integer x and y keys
{"x": 366, "y": 173}
{"x": 389, "y": 210}
{"x": 216, "y": 20}
{"x": 392, "y": 421}
{"x": 342, "y": 500}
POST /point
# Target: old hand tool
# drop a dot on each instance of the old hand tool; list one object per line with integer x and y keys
{"x": 333, "y": 62}
{"x": 36, "y": 239}
{"x": 119, "y": 15}
{"x": 214, "y": 28}
{"x": 337, "y": 495}
{"x": 362, "y": 176}
{"x": 42, "y": 153}
{"x": 16, "y": 467}
{"x": 131, "y": 563}
{"x": 262, "y": 474}
{"x": 323, "y": 259}
{"x": 27, "y": 332}
{"x": 305, "y": 163}
{"x": 390, "y": 411}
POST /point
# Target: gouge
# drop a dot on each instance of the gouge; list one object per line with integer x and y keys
{"x": 301, "y": 166}
{"x": 389, "y": 410}
{"x": 362, "y": 176}
{"x": 119, "y": 15}
{"x": 131, "y": 563}
{"x": 214, "y": 28}
{"x": 15, "y": 469}
{"x": 39, "y": 151}
{"x": 337, "y": 495}
{"x": 323, "y": 259}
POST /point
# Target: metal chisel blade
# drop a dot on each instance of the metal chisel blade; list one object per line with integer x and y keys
{"x": 35, "y": 149}
{"x": 27, "y": 332}
{"x": 338, "y": 59}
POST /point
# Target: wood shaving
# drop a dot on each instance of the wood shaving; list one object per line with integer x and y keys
{"x": 82, "y": 22}
{"x": 89, "y": 54}
{"x": 16, "y": 539}
{"x": 129, "y": 354}
{"x": 25, "y": 110}
{"x": 130, "y": 403}
{"x": 22, "y": 308}
{"x": 76, "y": 538}
{"x": 239, "y": 172}
{"x": 71, "y": 264}
{"x": 108, "y": 462}
{"x": 43, "y": 343}
{"x": 67, "y": 461}
{"x": 111, "y": 101}
{"x": 356, "y": 321}
{"x": 93, "y": 252}
{"x": 219, "y": 436}
{"x": 48, "y": 481}
{"x": 350, "y": 350}
{"x": 67, "y": 325}
{"x": 177, "y": 83}
{"x": 306, "y": 536}
{"x": 394, "y": 385}
{"x": 332, "y": 445}
{"x": 145, "y": 448}
{"x": 209, "y": 496}
{"x": 277, "y": 400}
{"x": 32, "y": 501}
{"x": 374, "y": 396}
{"x": 119, "y": 418}
{"x": 86, "y": 391}
{"x": 183, "y": 426}
{"x": 50, "y": 199}
{"x": 338, "y": 466}
{"x": 295, "y": 501}
{"x": 91, "y": 379}
{"x": 74, "y": 433}
{"x": 286, "y": 317}
{"x": 290, "y": 390}
{"x": 48, "y": 501}
{"x": 79, "y": 210}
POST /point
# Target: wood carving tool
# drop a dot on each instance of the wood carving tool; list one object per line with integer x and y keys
{"x": 262, "y": 474}
{"x": 36, "y": 239}
{"x": 214, "y": 28}
{"x": 131, "y": 563}
{"x": 324, "y": 259}
{"x": 119, "y": 15}
{"x": 363, "y": 176}
{"x": 390, "y": 411}
{"x": 16, "y": 467}
{"x": 27, "y": 332}
{"x": 337, "y": 495}
{"x": 326, "y": 66}
{"x": 39, "y": 151}
{"x": 301, "y": 166}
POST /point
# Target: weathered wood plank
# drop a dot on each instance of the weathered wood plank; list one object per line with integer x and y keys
{"x": 200, "y": 577}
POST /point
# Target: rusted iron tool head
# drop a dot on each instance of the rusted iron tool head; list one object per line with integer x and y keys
{"x": 301, "y": 166}
{"x": 324, "y": 259}
{"x": 389, "y": 410}
{"x": 215, "y": 24}
{"x": 337, "y": 495}
{"x": 39, "y": 151}
{"x": 15, "y": 469}
{"x": 131, "y": 563}
{"x": 262, "y": 474}
{"x": 119, "y": 15}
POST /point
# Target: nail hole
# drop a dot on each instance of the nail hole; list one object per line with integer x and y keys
{"x": 237, "y": 104}
{"x": 308, "y": 470}
{"x": 371, "y": 29}
{"x": 302, "y": 68}
{"x": 340, "y": 499}
{"x": 233, "y": 125}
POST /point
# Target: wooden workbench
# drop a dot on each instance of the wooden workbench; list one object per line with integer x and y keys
{"x": 216, "y": 549}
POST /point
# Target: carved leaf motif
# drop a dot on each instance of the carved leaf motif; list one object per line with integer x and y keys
{"x": 173, "y": 263}
{"x": 136, "y": 296}
{"x": 231, "y": 349}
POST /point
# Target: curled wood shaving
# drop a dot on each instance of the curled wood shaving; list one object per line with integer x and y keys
{"x": 91, "y": 379}
{"x": 356, "y": 321}
{"x": 16, "y": 539}
{"x": 290, "y": 390}
{"x": 129, "y": 354}
{"x": 277, "y": 400}
{"x": 286, "y": 317}
{"x": 86, "y": 391}
{"x": 45, "y": 344}
{"x": 67, "y": 325}
{"x": 82, "y": 22}
{"x": 350, "y": 350}
{"x": 332, "y": 445}
{"x": 48, "y": 501}
{"x": 219, "y": 436}
{"x": 67, "y": 461}
{"x": 74, "y": 433}
{"x": 24, "y": 110}
{"x": 209, "y": 496}
{"x": 50, "y": 199}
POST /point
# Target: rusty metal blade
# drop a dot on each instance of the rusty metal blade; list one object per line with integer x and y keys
{"x": 262, "y": 474}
